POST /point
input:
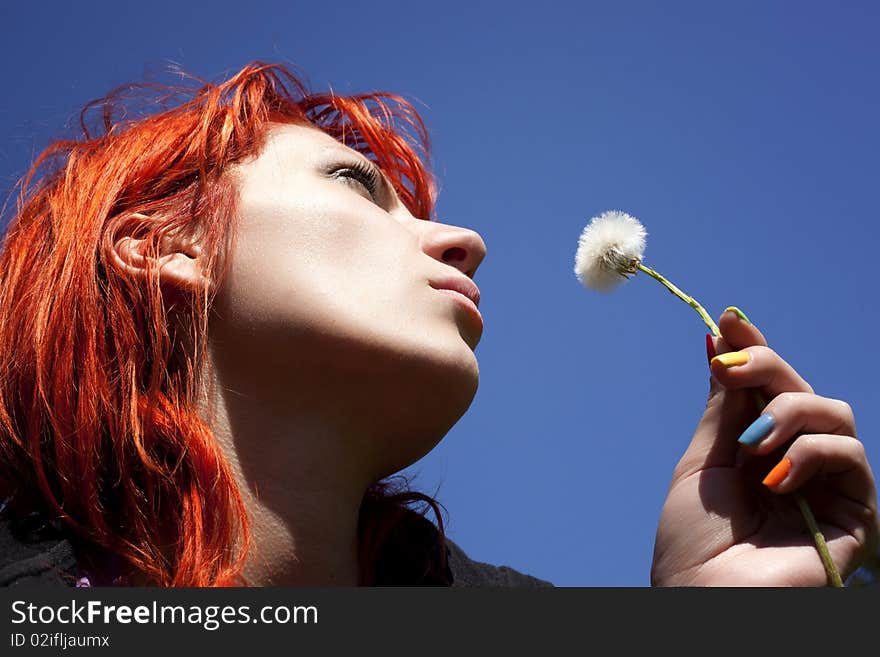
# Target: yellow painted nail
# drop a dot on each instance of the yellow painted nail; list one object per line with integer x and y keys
{"x": 733, "y": 358}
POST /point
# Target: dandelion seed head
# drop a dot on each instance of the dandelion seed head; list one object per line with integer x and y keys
{"x": 609, "y": 249}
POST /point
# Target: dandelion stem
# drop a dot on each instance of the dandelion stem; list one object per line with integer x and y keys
{"x": 689, "y": 300}
{"x": 819, "y": 540}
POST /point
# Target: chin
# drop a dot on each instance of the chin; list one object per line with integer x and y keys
{"x": 434, "y": 392}
{"x": 455, "y": 370}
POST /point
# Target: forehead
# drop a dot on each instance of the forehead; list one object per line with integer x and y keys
{"x": 304, "y": 143}
{"x": 289, "y": 148}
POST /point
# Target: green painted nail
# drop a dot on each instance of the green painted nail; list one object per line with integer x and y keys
{"x": 739, "y": 313}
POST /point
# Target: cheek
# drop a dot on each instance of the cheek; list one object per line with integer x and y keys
{"x": 318, "y": 262}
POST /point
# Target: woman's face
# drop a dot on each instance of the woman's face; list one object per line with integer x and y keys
{"x": 332, "y": 281}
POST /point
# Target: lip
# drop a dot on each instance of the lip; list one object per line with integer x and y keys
{"x": 465, "y": 292}
{"x": 461, "y": 285}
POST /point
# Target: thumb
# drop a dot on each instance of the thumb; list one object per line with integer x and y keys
{"x": 725, "y": 417}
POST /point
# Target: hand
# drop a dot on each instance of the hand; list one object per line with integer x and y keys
{"x": 720, "y": 525}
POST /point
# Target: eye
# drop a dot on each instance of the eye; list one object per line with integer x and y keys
{"x": 360, "y": 175}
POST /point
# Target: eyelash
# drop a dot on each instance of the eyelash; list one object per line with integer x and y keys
{"x": 363, "y": 173}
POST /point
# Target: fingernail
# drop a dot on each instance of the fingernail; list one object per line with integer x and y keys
{"x": 710, "y": 347}
{"x": 778, "y": 473}
{"x": 757, "y": 430}
{"x": 739, "y": 313}
{"x": 732, "y": 358}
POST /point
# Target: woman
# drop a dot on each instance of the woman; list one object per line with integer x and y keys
{"x": 227, "y": 325}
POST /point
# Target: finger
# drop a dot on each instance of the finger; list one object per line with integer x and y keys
{"x": 738, "y": 331}
{"x": 757, "y": 367}
{"x": 792, "y": 413}
{"x": 728, "y": 412}
{"x": 841, "y": 458}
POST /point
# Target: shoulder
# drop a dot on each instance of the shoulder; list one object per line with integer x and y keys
{"x": 34, "y": 553}
{"x": 415, "y": 554}
{"x": 467, "y": 572}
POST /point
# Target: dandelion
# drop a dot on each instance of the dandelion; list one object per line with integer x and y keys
{"x": 610, "y": 250}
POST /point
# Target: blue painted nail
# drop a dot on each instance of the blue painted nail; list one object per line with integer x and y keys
{"x": 757, "y": 430}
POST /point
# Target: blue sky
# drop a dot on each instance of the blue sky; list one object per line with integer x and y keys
{"x": 743, "y": 135}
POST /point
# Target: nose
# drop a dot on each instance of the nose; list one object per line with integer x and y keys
{"x": 461, "y": 248}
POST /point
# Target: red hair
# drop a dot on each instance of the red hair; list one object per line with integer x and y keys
{"x": 100, "y": 372}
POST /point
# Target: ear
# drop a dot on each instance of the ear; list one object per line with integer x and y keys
{"x": 179, "y": 258}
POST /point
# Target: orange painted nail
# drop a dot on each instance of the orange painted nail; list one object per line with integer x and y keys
{"x": 778, "y": 473}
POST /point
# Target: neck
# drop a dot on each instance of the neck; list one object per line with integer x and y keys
{"x": 301, "y": 484}
{"x": 311, "y": 541}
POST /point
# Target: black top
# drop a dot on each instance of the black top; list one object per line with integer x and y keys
{"x": 36, "y": 553}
